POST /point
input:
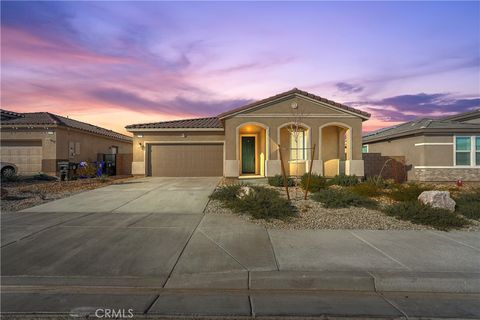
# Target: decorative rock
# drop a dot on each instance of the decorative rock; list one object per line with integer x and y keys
{"x": 437, "y": 199}
{"x": 244, "y": 191}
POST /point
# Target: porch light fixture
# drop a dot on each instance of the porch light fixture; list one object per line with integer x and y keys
{"x": 141, "y": 145}
{"x": 139, "y": 135}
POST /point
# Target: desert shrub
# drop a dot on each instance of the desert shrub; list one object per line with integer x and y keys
{"x": 226, "y": 193}
{"x": 265, "y": 203}
{"x": 335, "y": 198}
{"x": 262, "y": 203}
{"x": 43, "y": 177}
{"x": 87, "y": 170}
{"x": 407, "y": 192}
{"x": 380, "y": 182}
{"x": 468, "y": 204}
{"x": 104, "y": 178}
{"x": 470, "y": 210}
{"x": 418, "y": 213}
{"x": 367, "y": 189}
{"x": 277, "y": 181}
{"x": 344, "y": 180}
{"x": 317, "y": 182}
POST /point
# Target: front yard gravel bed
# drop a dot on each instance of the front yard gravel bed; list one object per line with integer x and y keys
{"x": 312, "y": 215}
{"x": 25, "y": 194}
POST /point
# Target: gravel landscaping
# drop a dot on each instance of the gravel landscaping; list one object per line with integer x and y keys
{"x": 27, "y": 192}
{"x": 312, "y": 215}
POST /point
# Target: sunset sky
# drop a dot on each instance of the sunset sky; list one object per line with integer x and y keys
{"x": 118, "y": 63}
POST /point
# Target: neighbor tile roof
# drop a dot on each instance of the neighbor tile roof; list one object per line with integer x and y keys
{"x": 215, "y": 122}
{"x": 47, "y": 118}
{"x": 420, "y": 126}
{"x": 474, "y": 114}
{"x": 200, "y": 123}
{"x": 288, "y": 93}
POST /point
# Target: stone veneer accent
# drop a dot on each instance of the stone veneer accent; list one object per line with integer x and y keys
{"x": 447, "y": 174}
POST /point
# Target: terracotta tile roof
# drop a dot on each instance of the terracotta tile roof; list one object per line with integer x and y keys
{"x": 47, "y": 118}
{"x": 198, "y": 123}
{"x": 290, "y": 92}
{"x": 420, "y": 126}
{"x": 215, "y": 122}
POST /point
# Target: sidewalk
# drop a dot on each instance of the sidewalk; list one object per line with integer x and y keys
{"x": 219, "y": 265}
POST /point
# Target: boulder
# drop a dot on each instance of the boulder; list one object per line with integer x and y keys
{"x": 244, "y": 191}
{"x": 437, "y": 199}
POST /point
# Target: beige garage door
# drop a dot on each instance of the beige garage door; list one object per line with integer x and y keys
{"x": 27, "y": 158}
{"x": 186, "y": 160}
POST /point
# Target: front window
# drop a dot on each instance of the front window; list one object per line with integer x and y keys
{"x": 463, "y": 146}
{"x": 477, "y": 153}
{"x": 297, "y": 141}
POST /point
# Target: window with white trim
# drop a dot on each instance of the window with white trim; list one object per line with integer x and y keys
{"x": 477, "y": 151}
{"x": 467, "y": 151}
{"x": 365, "y": 148}
{"x": 463, "y": 151}
{"x": 298, "y": 145}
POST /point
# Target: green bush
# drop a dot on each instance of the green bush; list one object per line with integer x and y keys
{"x": 317, "y": 182}
{"x": 226, "y": 193}
{"x": 344, "y": 180}
{"x": 468, "y": 204}
{"x": 470, "y": 210}
{"x": 277, "y": 181}
{"x": 334, "y": 198}
{"x": 262, "y": 203}
{"x": 367, "y": 189}
{"x": 418, "y": 213}
{"x": 406, "y": 192}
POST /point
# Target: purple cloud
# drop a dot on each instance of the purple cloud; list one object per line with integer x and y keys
{"x": 348, "y": 87}
{"x": 176, "y": 106}
{"x": 411, "y": 106}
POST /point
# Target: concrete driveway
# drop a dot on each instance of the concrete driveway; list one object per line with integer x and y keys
{"x": 145, "y": 195}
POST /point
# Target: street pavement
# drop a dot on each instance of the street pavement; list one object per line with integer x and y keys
{"x": 157, "y": 262}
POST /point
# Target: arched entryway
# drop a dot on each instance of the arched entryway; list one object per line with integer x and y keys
{"x": 252, "y": 146}
{"x": 295, "y": 142}
{"x": 336, "y": 147}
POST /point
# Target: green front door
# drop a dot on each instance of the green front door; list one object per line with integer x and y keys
{"x": 248, "y": 154}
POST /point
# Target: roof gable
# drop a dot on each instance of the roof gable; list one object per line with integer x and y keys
{"x": 294, "y": 93}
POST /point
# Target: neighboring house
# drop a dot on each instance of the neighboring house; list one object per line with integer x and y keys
{"x": 37, "y": 141}
{"x": 245, "y": 141}
{"x": 446, "y": 149}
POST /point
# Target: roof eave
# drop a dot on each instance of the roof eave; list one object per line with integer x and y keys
{"x": 419, "y": 132}
{"x": 173, "y": 129}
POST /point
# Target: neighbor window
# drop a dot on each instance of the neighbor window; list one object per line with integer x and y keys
{"x": 297, "y": 144}
{"x": 463, "y": 149}
{"x": 365, "y": 148}
{"x": 477, "y": 149}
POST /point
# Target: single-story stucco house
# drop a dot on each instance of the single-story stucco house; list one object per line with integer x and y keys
{"x": 36, "y": 141}
{"x": 245, "y": 141}
{"x": 446, "y": 149}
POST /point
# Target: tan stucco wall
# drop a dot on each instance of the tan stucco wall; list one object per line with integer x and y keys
{"x": 309, "y": 119}
{"x": 172, "y": 136}
{"x": 90, "y": 145}
{"x": 421, "y": 155}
